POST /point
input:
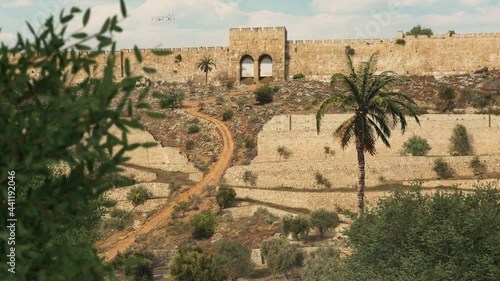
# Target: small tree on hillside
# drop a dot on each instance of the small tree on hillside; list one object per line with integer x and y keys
{"x": 459, "y": 141}
{"x": 280, "y": 255}
{"x": 226, "y": 196}
{"x": 190, "y": 263}
{"x": 324, "y": 220}
{"x": 137, "y": 196}
{"x": 204, "y": 225}
{"x": 284, "y": 152}
{"x": 264, "y": 94}
{"x": 206, "y": 65}
{"x": 250, "y": 177}
{"x": 298, "y": 226}
{"x": 234, "y": 259}
{"x": 324, "y": 264}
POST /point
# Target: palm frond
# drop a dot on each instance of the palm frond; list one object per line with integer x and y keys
{"x": 346, "y": 131}
{"x": 324, "y": 107}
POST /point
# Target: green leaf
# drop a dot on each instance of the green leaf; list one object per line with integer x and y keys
{"x": 105, "y": 26}
{"x": 123, "y": 8}
{"x": 156, "y": 115}
{"x": 75, "y": 10}
{"x": 143, "y": 106}
{"x": 80, "y": 47}
{"x": 162, "y": 52}
{"x": 86, "y": 17}
{"x": 149, "y": 70}
{"x": 80, "y": 35}
{"x": 127, "y": 67}
{"x": 149, "y": 144}
{"x": 67, "y": 18}
{"x": 117, "y": 29}
{"x": 138, "y": 55}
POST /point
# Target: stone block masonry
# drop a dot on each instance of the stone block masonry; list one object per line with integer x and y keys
{"x": 267, "y": 49}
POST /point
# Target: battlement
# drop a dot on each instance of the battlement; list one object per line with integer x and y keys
{"x": 257, "y": 29}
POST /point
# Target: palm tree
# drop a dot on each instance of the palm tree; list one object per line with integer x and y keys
{"x": 377, "y": 110}
{"x": 137, "y": 196}
{"x": 206, "y": 65}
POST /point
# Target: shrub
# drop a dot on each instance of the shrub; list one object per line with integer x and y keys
{"x": 250, "y": 177}
{"x": 283, "y": 152}
{"x": 401, "y": 42}
{"x": 190, "y": 263}
{"x": 194, "y": 120}
{"x": 480, "y": 100}
{"x": 328, "y": 150}
{"x": 419, "y": 30}
{"x": 226, "y": 196}
{"x": 241, "y": 103}
{"x": 459, "y": 141}
{"x": 234, "y": 259}
{"x": 182, "y": 207}
{"x": 276, "y": 89}
{"x": 138, "y": 195}
{"x": 442, "y": 169}
{"x": 172, "y": 100}
{"x": 298, "y": 76}
{"x": 227, "y": 114}
{"x": 138, "y": 268}
{"x": 248, "y": 142}
{"x": 229, "y": 84}
{"x": 478, "y": 167}
{"x": 280, "y": 256}
{"x": 324, "y": 264}
{"x": 445, "y": 236}
{"x": 210, "y": 190}
{"x": 178, "y": 58}
{"x": 446, "y": 93}
{"x": 320, "y": 180}
{"x": 190, "y": 144}
{"x": 193, "y": 129}
{"x": 298, "y": 226}
{"x": 196, "y": 200}
{"x": 324, "y": 220}
{"x": 264, "y": 94}
{"x": 416, "y": 146}
{"x": 203, "y": 225}
{"x": 190, "y": 83}
{"x": 174, "y": 187}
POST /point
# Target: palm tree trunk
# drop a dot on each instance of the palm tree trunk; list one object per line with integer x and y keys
{"x": 206, "y": 78}
{"x": 361, "y": 179}
{"x": 121, "y": 219}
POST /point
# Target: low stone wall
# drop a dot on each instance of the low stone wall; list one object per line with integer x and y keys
{"x": 138, "y": 175}
{"x": 248, "y": 211}
{"x": 318, "y": 200}
{"x": 159, "y": 193}
{"x": 344, "y": 172}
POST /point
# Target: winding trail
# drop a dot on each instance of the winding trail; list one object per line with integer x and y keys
{"x": 120, "y": 241}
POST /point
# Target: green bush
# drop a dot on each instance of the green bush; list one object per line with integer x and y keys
{"x": 442, "y": 169}
{"x": 324, "y": 220}
{"x": 416, "y": 236}
{"x": 298, "y": 226}
{"x": 234, "y": 259}
{"x": 226, "y": 196}
{"x": 284, "y": 152}
{"x": 280, "y": 255}
{"x": 250, "y": 177}
{"x": 190, "y": 144}
{"x": 350, "y": 51}
{"x": 401, "y": 42}
{"x": 419, "y": 30}
{"x": 138, "y": 195}
{"x": 178, "y": 58}
{"x": 174, "y": 187}
{"x": 227, "y": 114}
{"x": 459, "y": 141}
{"x": 478, "y": 167}
{"x": 172, "y": 100}
{"x": 416, "y": 146}
{"x": 298, "y": 76}
{"x": 229, "y": 84}
{"x": 203, "y": 225}
{"x": 190, "y": 263}
{"x": 193, "y": 129}
{"x": 182, "y": 207}
{"x": 446, "y": 93}
{"x": 276, "y": 89}
{"x": 264, "y": 94}
{"x": 480, "y": 100}
{"x": 321, "y": 180}
{"x": 138, "y": 268}
{"x": 324, "y": 264}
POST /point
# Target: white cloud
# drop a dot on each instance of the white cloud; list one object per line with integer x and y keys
{"x": 17, "y": 4}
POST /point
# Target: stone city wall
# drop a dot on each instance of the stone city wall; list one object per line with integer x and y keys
{"x": 343, "y": 173}
{"x": 298, "y": 134}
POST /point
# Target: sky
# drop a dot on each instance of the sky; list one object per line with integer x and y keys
{"x": 205, "y": 23}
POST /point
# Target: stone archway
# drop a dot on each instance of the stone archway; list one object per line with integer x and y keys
{"x": 265, "y": 66}
{"x": 247, "y": 67}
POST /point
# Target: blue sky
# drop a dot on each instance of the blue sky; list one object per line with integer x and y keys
{"x": 200, "y": 23}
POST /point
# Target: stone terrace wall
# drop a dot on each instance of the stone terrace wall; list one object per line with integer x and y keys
{"x": 344, "y": 172}
{"x": 437, "y": 55}
{"x": 298, "y": 134}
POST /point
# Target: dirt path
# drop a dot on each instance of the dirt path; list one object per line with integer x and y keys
{"x": 120, "y": 241}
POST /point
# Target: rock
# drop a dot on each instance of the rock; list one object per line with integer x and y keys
{"x": 482, "y": 70}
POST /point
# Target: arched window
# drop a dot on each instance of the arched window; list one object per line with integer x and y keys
{"x": 265, "y": 66}
{"x": 247, "y": 67}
